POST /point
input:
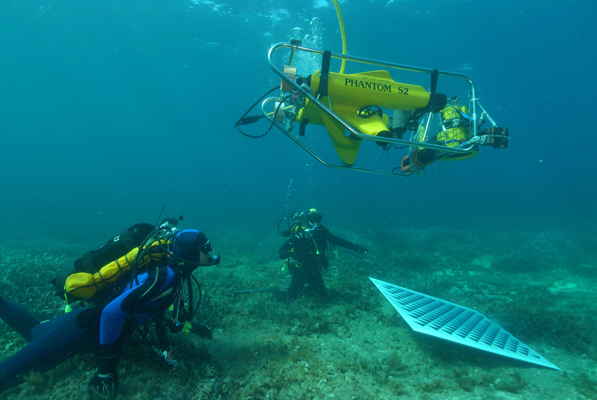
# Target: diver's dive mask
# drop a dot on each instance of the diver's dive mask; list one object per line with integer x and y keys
{"x": 314, "y": 218}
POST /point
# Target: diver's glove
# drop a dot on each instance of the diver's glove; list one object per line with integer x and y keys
{"x": 201, "y": 330}
{"x": 361, "y": 249}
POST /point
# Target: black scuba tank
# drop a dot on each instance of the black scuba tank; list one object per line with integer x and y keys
{"x": 111, "y": 250}
{"x": 114, "y": 248}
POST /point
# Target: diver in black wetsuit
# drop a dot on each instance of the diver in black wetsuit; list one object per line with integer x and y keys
{"x": 131, "y": 303}
{"x": 305, "y": 254}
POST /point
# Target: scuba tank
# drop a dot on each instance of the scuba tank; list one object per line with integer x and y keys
{"x": 108, "y": 251}
{"x": 114, "y": 248}
{"x": 295, "y": 223}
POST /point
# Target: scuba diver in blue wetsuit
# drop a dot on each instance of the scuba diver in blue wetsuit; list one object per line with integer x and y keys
{"x": 305, "y": 254}
{"x": 111, "y": 318}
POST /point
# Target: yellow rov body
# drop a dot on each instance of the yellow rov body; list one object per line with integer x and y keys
{"x": 351, "y": 94}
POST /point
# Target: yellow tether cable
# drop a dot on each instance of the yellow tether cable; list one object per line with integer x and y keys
{"x": 341, "y": 21}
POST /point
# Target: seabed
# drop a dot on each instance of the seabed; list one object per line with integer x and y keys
{"x": 540, "y": 286}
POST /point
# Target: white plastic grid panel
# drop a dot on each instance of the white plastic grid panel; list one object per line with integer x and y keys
{"x": 455, "y": 323}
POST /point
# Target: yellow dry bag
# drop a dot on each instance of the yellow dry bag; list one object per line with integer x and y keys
{"x": 84, "y": 285}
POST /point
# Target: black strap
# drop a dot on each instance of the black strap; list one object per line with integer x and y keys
{"x": 294, "y": 43}
{"x": 433, "y": 91}
{"x": 325, "y": 73}
{"x": 304, "y": 123}
{"x": 434, "y": 76}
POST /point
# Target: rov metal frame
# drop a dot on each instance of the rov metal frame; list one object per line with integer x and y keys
{"x": 446, "y": 149}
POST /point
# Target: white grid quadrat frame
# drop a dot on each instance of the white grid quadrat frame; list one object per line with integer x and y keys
{"x": 449, "y": 321}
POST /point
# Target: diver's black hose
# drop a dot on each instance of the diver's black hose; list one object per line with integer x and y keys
{"x": 199, "y": 300}
{"x": 190, "y": 290}
{"x": 141, "y": 252}
{"x": 280, "y": 233}
{"x": 253, "y": 106}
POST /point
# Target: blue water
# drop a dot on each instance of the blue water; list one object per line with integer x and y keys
{"x": 110, "y": 109}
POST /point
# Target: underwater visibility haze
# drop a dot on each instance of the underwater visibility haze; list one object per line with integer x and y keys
{"x": 112, "y": 110}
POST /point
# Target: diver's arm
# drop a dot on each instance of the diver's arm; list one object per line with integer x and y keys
{"x": 345, "y": 243}
{"x": 185, "y": 325}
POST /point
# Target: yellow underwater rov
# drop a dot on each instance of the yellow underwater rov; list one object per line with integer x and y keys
{"x": 371, "y": 106}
